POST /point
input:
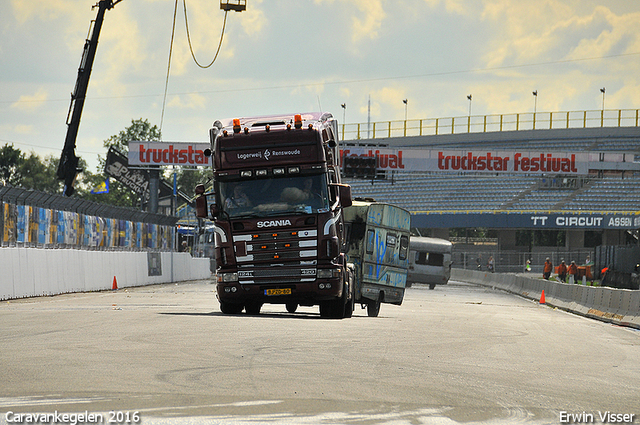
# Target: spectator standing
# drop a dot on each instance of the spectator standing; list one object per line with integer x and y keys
{"x": 490, "y": 264}
{"x": 548, "y": 268}
{"x": 562, "y": 271}
{"x": 573, "y": 272}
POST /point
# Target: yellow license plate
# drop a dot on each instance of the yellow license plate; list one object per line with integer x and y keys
{"x": 285, "y": 291}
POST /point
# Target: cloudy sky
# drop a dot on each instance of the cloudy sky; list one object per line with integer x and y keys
{"x": 285, "y": 56}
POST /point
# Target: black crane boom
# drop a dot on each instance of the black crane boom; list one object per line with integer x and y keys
{"x": 68, "y": 166}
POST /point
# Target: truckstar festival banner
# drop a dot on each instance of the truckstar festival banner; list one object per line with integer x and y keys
{"x": 488, "y": 161}
{"x": 168, "y": 153}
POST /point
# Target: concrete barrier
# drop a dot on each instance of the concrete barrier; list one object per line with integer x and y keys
{"x": 618, "y": 306}
{"x": 29, "y": 272}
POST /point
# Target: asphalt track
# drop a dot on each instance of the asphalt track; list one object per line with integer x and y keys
{"x": 458, "y": 354}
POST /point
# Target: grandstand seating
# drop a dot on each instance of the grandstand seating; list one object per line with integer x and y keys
{"x": 513, "y": 193}
{"x": 440, "y": 192}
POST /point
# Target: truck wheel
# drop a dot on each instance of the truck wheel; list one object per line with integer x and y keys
{"x": 253, "y": 308}
{"x": 230, "y": 308}
{"x": 332, "y": 309}
{"x": 373, "y": 308}
{"x": 348, "y": 309}
{"x": 432, "y": 286}
{"x": 292, "y": 307}
{"x": 324, "y": 309}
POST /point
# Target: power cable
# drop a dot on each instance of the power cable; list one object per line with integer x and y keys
{"x": 186, "y": 22}
{"x": 166, "y": 83}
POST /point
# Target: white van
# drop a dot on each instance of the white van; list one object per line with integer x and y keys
{"x": 429, "y": 261}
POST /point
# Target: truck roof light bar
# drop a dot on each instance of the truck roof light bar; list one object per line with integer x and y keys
{"x": 236, "y": 125}
{"x": 297, "y": 119}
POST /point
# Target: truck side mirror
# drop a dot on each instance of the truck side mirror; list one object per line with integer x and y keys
{"x": 202, "y": 204}
{"x": 345, "y": 195}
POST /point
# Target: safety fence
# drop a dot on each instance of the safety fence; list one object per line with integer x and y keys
{"x": 34, "y": 219}
{"x": 490, "y": 123}
{"x": 510, "y": 261}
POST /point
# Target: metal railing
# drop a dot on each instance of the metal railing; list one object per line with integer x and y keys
{"x": 506, "y": 261}
{"x": 492, "y": 123}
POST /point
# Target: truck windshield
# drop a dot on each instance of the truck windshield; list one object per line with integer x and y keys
{"x": 258, "y": 198}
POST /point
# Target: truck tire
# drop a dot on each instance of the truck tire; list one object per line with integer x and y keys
{"x": 292, "y": 307}
{"x": 373, "y": 308}
{"x": 348, "y": 309}
{"x": 332, "y": 309}
{"x": 230, "y": 308}
{"x": 432, "y": 286}
{"x": 253, "y": 308}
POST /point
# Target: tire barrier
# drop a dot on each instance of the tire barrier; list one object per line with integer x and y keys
{"x": 617, "y": 306}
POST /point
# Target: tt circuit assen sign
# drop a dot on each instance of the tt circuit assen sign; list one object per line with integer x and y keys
{"x": 526, "y": 162}
{"x": 593, "y": 221}
{"x": 168, "y": 153}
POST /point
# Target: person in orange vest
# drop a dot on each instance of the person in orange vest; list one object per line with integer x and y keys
{"x": 562, "y": 271}
{"x": 573, "y": 272}
{"x": 548, "y": 267}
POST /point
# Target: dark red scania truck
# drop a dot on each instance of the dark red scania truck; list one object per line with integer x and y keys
{"x": 277, "y": 205}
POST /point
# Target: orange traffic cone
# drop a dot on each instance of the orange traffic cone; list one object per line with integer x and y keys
{"x": 541, "y": 297}
{"x": 115, "y": 284}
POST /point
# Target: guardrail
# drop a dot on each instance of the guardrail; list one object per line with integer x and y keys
{"x": 618, "y": 306}
{"x": 492, "y": 123}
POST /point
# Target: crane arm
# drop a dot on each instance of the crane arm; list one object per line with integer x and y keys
{"x": 68, "y": 165}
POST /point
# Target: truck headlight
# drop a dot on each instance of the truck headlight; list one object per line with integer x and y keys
{"x": 328, "y": 273}
{"x": 227, "y": 277}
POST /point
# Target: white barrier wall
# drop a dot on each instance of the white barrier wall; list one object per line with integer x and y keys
{"x": 619, "y": 306}
{"x": 29, "y": 272}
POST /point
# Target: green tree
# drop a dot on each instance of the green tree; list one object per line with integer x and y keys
{"x": 10, "y": 160}
{"x": 119, "y": 194}
{"x": 38, "y": 174}
{"x": 189, "y": 177}
{"x": 139, "y": 130}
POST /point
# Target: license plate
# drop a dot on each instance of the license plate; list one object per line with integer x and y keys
{"x": 285, "y": 291}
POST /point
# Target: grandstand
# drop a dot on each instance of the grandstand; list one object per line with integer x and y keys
{"x": 505, "y": 193}
{"x": 606, "y": 199}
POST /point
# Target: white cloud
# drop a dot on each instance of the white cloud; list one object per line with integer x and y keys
{"x": 189, "y": 101}
{"x": 30, "y": 103}
{"x": 366, "y": 18}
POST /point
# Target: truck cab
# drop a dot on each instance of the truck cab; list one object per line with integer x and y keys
{"x": 277, "y": 204}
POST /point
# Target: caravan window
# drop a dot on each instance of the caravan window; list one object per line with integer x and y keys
{"x": 429, "y": 258}
{"x": 404, "y": 247}
{"x": 370, "y": 241}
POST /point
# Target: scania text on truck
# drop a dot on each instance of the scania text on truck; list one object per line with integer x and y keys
{"x": 278, "y": 206}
